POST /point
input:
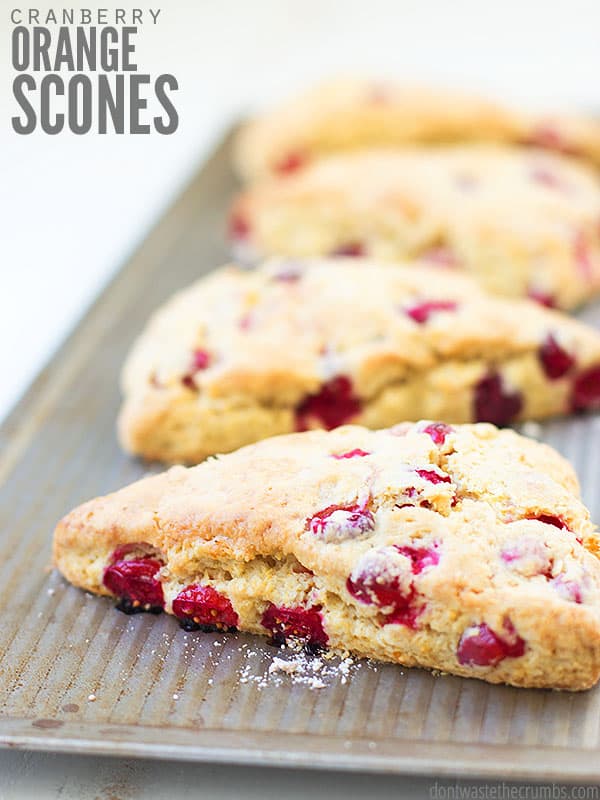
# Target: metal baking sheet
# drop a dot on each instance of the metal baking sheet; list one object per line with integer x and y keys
{"x": 78, "y": 676}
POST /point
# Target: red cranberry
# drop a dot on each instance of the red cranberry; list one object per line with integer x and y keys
{"x": 304, "y": 624}
{"x": 421, "y": 312}
{"x": 585, "y": 395}
{"x": 203, "y": 608}
{"x": 543, "y": 298}
{"x": 546, "y": 177}
{"x": 494, "y": 403}
{"x": 479, "y": 646}
{"x": 432, "y": 476}
{"x": 356, "y": 249}
{"x": 583, "y": 258}
{"x": 135, "y": 580}
{"x": 356, "y": 453}
{"x": 239, "y": 227}
{"x": 438, "y": 432}
{"x": 336, "y": 523}
{"x": 420, "y": 557}
{"x": 379, "y": 580}
{"x": 555, "y": 360}
{"x": 528, "y": 557}
{"x": 292, "y": 162}
{"x": 568, "y": 589}
{"x": 334, "y": 405}
{"x": 548, "y": 519}
{"x": 200, "y": 360}
{"x": 440, "y": 257}
{"x": 548, "y": 136}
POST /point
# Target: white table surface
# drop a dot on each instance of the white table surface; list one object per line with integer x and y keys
{"x": 74, "y": 207}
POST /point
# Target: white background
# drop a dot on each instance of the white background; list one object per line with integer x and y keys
{"x": 74, "y": 207}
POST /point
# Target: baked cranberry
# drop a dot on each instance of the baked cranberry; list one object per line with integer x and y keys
{"x": 356, "y": 249}
{"x": 432, "y": 476}
{"x": 356, "y": 453}
{"x": 200, "y": 360}
{"x": 479, "y": 646}
{"x": 546, "y": 177}
{"x": 494, "y": 403}
{"x": 555, "y": 360}
{"x": 204, "y": 608}
{"x": 292, "y": 162}
{"x": 379, "y": 579}
{"x": 440, "y": 257}
{"x": 288, "y": 274}
{"x": 548, "y": 136}
{"x": 583, "y": 257}
{"x": 422, "y": 311}
{"x": 239, "y": 227}
{"x": 303, "y": 624}
{"x": 334, "y": 405}
{"x": 585, "y": 395}
{"x": 543, "y": 298}
{"x": 438, "y": 432}
{"x": 336, "y": 523}
{"x": 549, "y": 519}
{"x": 568, "y": 589}
{"x": 134, "y": 581}
{"x": 420, "y": 557}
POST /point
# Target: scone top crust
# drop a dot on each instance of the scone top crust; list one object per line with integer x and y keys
{"x": 347, "y": 113}
{"x": 316, "y": 343}
{"x": 471, "y": 525}
{"x": 522, "y": 221}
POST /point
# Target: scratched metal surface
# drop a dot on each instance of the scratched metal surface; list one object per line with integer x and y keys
{"x": 58, "y": 646}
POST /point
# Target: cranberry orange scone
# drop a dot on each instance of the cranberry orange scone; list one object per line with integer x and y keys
{"x": 349, "y": 114}
{"x": 522, "y": 222}
{"x": 240, "y": 356}
{"x": 464, "y": 549}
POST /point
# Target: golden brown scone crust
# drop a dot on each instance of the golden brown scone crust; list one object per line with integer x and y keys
{"x": 470, "y": 526}
{"x": 521, "y": 221}
{"x": 317, "y": 343}
{"x": 348, "y": 114}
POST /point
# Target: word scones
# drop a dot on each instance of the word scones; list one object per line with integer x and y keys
{"x": 121, "y": 101}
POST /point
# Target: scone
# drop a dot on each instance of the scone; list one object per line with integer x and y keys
{"x": 462, "y": 549}
{"x": 240, "y": 356}
{"x": 522, "y": 222}
{"x": 349, "y": 114}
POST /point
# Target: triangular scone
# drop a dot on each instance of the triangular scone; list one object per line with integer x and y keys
{"x": 240, "y": 356}
{"x": 522, "y": 222}
{"x": 463, "y": 549}
{"x": 349, "y": 114}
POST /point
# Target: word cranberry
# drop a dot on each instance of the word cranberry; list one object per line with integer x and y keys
{"x": 204, "y": 608}
{"x": 555, "y": 360}
{"x": 585, "y": 395}
{"x": 421, "y": 312}
{"x": 494, "y": 403}
{"x": 336, "y": 523}
{"x": 292, "y": 162}
{"x": 432, "y": 476}
{"x": 134, "y": 582}
{"x": 479, "y": 646}
{"x": 355, "y": 249}
{"x": 438, "y": 432}
{"x": 334, "y": 405}
{"x": 356, "y": 453}
{"x": 303, "y": 624}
